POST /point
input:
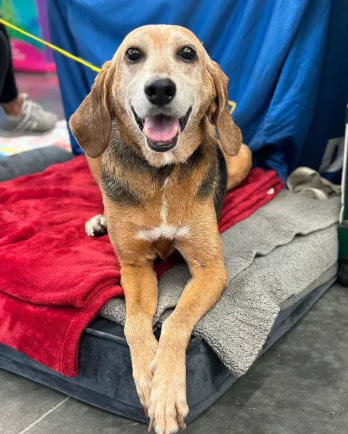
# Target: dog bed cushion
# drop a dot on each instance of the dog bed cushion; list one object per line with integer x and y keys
{"x": 33, "y": 161}
{"x": 105, "y": 379}
{"x": 105, "y": 373}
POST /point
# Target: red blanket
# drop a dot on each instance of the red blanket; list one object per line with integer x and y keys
{"x": 53, "y": 278}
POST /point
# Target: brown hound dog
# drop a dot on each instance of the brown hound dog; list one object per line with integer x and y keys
{"x": 148, "y": 128}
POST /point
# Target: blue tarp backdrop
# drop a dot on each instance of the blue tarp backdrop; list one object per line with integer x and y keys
{"x": 287, "y": 63}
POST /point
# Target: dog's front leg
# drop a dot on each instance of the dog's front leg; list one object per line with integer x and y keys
{"x": 139, "y": 282}
{"x": 168, "y": 406}
{"x": 140, "y": 285}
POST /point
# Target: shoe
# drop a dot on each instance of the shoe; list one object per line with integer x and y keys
{"x": 33, "y": 120}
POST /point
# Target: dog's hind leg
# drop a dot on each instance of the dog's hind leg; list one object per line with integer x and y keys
{"x": 238, "y": 167}
{"x": 96, "y": 226}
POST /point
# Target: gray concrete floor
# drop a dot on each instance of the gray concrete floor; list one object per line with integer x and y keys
{"x": 300, "y": 386}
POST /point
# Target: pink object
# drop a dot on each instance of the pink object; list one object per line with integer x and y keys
{"x": 27, "y": 58}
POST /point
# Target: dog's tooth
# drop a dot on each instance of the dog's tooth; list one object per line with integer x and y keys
{"x": 146, "y": 130}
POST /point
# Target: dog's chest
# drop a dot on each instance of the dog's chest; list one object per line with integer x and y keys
{"x": 169, "y": 224}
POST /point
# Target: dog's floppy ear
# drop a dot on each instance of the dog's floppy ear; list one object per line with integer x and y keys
{"x": 91, "y": 123}
{"x": 229, "y": 134}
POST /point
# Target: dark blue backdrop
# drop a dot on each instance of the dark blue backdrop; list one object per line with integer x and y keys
{"x": 287, "y": 62}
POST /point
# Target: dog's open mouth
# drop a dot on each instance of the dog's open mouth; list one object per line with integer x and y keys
{"x": 161, "y": 130}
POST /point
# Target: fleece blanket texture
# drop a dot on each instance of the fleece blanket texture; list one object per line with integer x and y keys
{"x": 53, "y": 278}
{"x": 273, "y": 258}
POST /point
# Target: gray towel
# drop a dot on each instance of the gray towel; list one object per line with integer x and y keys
{"x": 309, "y": 183}
{"x": 272, "y": 257}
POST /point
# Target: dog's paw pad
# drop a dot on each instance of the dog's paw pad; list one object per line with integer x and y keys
{"x": 96, "y": 226}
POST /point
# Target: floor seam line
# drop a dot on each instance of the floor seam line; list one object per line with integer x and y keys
{"x": 43, "y": 416}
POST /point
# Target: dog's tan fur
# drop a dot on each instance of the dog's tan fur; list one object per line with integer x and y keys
{"x": 168, "y": 216}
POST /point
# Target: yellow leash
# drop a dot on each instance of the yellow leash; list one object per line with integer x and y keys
{"x": 53, "y": 47}
{"x": 69, "y": 55}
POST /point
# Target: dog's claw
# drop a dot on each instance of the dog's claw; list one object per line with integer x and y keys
{"x": 181, "y": 422}
{"x": 150, "y": 424}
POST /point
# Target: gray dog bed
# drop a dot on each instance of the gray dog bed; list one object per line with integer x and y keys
{"x": 281, "y": 261}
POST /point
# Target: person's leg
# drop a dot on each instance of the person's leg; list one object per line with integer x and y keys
{"x": 18, "y": 114}
{"x": 10, "y": 99}
{"x": 4, "y": 61}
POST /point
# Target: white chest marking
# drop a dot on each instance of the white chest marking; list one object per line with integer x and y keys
{"x": 165, "y": 231}
{"x": 164, "y": 202}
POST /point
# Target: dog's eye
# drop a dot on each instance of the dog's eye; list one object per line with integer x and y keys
{"x": 134, "y": 54}
{"x": 187, "y": 53}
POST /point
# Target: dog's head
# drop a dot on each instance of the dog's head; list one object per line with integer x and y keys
{"x": 159, "y": 87}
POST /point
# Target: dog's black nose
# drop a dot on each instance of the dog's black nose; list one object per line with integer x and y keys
{"x": 161, "y": 91}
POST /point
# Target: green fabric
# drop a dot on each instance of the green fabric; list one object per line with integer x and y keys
{"x": 343, "y": 242}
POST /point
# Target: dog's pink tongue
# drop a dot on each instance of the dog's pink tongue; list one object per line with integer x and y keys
{"x": 161, "y": 128}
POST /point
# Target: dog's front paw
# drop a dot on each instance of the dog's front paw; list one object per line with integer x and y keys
{"x": 143, "y": 384}
{"x": 96, "y": 226}
{"x": 142, "y": 356}
{"x": 168, "y": 406}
